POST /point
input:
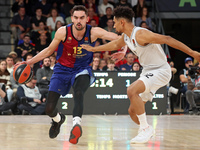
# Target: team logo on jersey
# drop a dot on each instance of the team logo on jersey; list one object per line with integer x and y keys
{"x": 69, "y": 40}
{"x": 86, "y": 39}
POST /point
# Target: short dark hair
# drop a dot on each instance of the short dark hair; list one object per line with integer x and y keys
{"x": 80, "y": 8}
{"x": 124, "y": 12}
{"x": 38, "y": 8}
{"x": 27, "y": 35}
{"x": 142, "y": 23}
{"x": 33, "y": 78}
{"x": 108, "y": 8}
{"x": 17, "y": 59}
{"x": 9, "y": 56}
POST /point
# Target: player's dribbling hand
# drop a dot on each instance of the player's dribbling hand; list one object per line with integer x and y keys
{"x": 88, "y": 47}
{"x": 20, "y": 63}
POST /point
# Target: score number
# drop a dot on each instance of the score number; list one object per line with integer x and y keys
{"x": 103, "y": 83}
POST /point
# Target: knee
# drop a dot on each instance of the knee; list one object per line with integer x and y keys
{"x": 78, "y": 92}
{"x": 131, "y": 92}
{"x": 131, "y": 110}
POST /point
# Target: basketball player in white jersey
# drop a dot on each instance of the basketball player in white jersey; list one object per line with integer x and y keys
{"x": 156, "y": 71}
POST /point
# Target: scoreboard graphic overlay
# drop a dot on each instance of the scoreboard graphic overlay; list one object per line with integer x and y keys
{"x": 108, "y": 96}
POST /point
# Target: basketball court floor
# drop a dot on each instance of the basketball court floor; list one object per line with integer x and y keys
{"x": 99, "y": 133}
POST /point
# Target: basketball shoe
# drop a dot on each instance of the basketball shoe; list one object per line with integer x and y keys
{"x": 55, "y": 127}
{"x": 75, "y": 134}
{"x": 143, "y": 136}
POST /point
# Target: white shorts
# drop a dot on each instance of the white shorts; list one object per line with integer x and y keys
{"x": 153, "y": 80}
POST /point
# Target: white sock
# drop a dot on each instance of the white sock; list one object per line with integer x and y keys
{"x": 76, "y": 120}
{"x": 57, "y": 118}
{"x": 143, "y": 121}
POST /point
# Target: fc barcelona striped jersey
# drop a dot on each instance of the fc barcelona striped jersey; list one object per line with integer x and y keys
{"x": 72, "y": 54}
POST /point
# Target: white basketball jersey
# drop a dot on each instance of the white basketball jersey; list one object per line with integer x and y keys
{"x": 150, "y": 56}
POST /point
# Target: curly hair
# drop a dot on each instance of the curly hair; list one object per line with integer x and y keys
{"x": 124, "y": 12}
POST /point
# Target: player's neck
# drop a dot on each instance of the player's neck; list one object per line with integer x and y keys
{"x": 78, "y": 34}
{"x": 128, "y": 29}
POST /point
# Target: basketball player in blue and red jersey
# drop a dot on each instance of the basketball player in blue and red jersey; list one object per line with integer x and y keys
{"x": 72, "y": 68}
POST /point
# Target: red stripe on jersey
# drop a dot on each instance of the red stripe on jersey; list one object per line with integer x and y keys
{"x": 68, "y": 56}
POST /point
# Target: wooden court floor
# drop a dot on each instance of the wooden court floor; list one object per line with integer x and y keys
{"x": 99, "y": 133}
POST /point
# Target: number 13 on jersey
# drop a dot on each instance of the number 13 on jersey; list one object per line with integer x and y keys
{"x": 77, "y": 50}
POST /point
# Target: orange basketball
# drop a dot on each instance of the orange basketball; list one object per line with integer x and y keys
{"x": 22, "y": 73}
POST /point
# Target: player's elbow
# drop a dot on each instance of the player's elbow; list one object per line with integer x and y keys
{"x": 167, "y": 39}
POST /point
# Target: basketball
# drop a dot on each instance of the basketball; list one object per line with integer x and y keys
{"x": 22, "y": 73}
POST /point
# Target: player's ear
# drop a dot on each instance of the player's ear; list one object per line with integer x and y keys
{"x": 88, "y": 18}
{"x": 122, "y": 21}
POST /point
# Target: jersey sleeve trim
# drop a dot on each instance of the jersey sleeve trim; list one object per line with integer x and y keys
{"x": 65, "y": 36}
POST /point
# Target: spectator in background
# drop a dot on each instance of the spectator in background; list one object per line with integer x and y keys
{"x": 51, "y": 21}
{"x": 37, "y": 19}
{"x": 143, "y": 24}
{"x": 43, "y": 76}
{"x": 95, "y": 64}
{"x": 102, "y": 64}
{"x": 42, "y": 29}
{"x": 22, "y": 3}
{"x": 104, "y": 19}
{"x": 13, "y": 54}
{"x": 5, "y": 78}
{"x": 14, "y": 83}
{"x": 111, "y": 65}
{"x": 144, "y": 16}
{"x": 30, "y": 98}
{"x": 136, "y": 67}
{"x": 123, "y": 3}
{"x": 2, "y": 94}
{"x": 184, "y": 80}
{"x": 109, "y": 28}
{"x": 67, "y": 8}
{"x": 91, "y": 4}
{"x": 183, "y": 74}
{"x": 68, "y": 19}
{"x": 103, "y": 7}
{"x": 20, "y": 24}
{"x": 193, "y": 92}
{"x": 42, "y": 43}
{"x": 45, "y": 6}
{"x": 10, "y": 63}
{"x": 58, "y": 25}
{"x": 97, "y": 54}
{"x": 93, "y": 23}
{"x": 138, "y": 7}
{"x": 128, "y": 65}
{"x": 53, "y": 61}
{"x": 5, "y": 106}
{"x": 35, "y": 66}
{"x": 25, "y": 47}
{"x": 16, "y": 5}
{"x": 92, "y": 15}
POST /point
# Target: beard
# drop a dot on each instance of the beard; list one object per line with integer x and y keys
{"x": 79, "y": 28}
{"x": 47, "y": 67}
